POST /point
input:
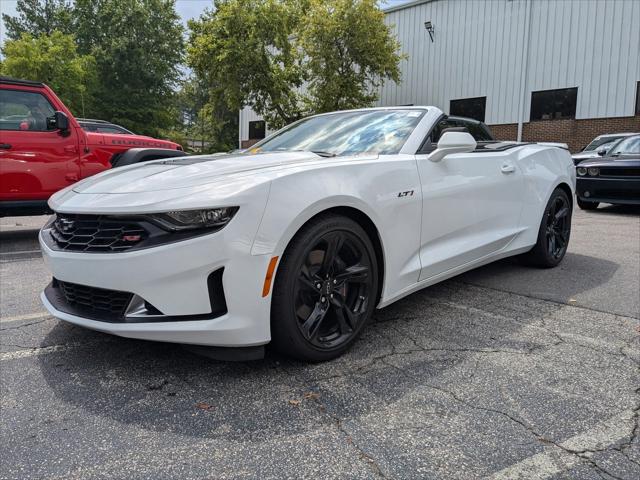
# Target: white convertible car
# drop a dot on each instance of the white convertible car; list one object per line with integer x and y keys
{"x": 298, "y": 240}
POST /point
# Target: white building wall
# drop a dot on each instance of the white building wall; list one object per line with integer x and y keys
{"x": 480, "y": 49}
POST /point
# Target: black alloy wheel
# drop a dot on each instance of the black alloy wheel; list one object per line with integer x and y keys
{"x": 325, "y": 291}
{"x": 558, "y": 218}
{"x": 554, "y": 232}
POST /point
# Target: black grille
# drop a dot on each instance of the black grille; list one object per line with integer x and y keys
{"x": 94, "y": 233}
{"x": 94, "y": 300}
{"x": 620, "y": 172}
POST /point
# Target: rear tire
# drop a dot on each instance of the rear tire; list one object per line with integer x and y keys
{"x": 586, "y": 205}
{"x": 553, "y": 234}
{"x": 325, "y": 290}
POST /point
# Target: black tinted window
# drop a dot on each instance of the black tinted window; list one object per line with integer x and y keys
{"x": 257, "y": 130}
{"x": 554, "y": 104}
{"x": 469, "y": 107}
{"x": 478, "y": 131}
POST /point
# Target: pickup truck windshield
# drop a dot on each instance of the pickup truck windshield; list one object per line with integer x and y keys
{"x": 347, "y": 133}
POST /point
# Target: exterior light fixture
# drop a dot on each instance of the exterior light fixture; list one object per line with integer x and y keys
{"x": 429, "y": 27}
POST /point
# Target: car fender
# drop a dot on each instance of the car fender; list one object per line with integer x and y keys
{"x": 137, "y": 155}
{"x": 372, "y": 187}
{"x": 544, "y": 168}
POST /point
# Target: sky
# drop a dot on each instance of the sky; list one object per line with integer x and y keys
{"x": 187, "y": 9}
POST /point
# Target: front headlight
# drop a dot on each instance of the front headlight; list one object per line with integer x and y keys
{"x": 593, "y": 171}
{"x": 581, "y": 171}
{"x": 212, "y": 218}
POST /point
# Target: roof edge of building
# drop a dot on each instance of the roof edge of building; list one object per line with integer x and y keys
{"x": 406, "y": 5}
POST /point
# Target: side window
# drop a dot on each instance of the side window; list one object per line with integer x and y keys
{"x": 24, "y": 111}
{"x": 110, "y": 130}
{"x": 440, "y": 127}
{"x": 478, "y": 131}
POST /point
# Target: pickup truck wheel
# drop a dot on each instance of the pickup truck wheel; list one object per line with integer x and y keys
{"x": 325, "y": 289}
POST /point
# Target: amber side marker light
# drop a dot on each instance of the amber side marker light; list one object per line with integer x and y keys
{"x": 269, "y": 277}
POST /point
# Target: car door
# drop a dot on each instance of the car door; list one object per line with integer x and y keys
{"x": 36, "y": 161}
{"x": 471, "y": 206}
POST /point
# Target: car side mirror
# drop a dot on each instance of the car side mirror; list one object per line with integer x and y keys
{"x": 453, "y": 142}
{"x": 59, "y": 121}
{"x": 602, "y": 152}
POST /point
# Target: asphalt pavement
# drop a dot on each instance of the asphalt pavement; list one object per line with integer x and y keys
{"x": 503, "y": 372}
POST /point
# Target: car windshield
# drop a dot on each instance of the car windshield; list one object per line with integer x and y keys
{"x": 605, "y": 142}
{"x": 628, "y": 146}
{"x": 346, "y": 133}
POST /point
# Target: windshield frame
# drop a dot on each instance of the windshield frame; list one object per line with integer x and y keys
{"x": 410, "y": 145}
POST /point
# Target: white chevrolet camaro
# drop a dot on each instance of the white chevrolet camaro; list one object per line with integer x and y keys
{"x": 298, "y": 240}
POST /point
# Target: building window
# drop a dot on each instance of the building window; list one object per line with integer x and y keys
{"x": 554, "y": 104}
{"x": 638, "y": 99}
{"x": 469, "y": 107}
{"x": 257, "y": 130}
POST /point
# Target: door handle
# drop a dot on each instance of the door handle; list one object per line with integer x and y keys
{"x": 5, "y": 146}
{"x": 507, "y": 168}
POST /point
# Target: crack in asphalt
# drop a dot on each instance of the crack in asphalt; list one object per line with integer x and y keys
{"x": 550, "y": 300}
{"x": 24, "y": 325}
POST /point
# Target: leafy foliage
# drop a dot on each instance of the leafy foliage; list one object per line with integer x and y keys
{"x": 287, "y": 58}
{"x": 244, "y": 49}
{"x": 53, "y": 59}
{"x": 138, "y": 47}
{"x": 349, "y": 51}
{"x": 39, "y": 17}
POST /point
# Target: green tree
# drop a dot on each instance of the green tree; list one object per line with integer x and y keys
{"x": 39, "y": 17}
{"x": 53, "y": 59}
{"x": 244, "y": 48}
{"x": 138, "y": 47}
{"x": 287, "y": 58}
{"x": 350, "y": 51}
{"x": 205, "y": 116}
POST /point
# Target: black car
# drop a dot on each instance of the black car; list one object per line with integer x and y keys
{"x": 102, "y": 126}
{"x": 611, "y": 179}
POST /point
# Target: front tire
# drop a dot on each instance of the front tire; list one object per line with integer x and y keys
{"x": 554, "y": 232}
{"x": 586, "y": 205}
{"x": 325, "y": 290}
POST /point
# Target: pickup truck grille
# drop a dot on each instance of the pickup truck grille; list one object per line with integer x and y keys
{"x": 95, "y": 233}
{"x": 94, "y": 300}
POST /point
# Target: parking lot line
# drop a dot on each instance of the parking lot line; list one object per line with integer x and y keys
{"x": 28, "y": 316}
{"x": 556, "y": 459}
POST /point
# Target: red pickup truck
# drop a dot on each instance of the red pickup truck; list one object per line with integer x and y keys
{"x": 43, "y": 148}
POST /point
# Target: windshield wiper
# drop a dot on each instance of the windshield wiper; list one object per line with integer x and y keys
{"x": 323, "y": 154}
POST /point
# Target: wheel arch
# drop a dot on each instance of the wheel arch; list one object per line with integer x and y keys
{"x": 566, "y": 189}
{"x": 367, "y": 224}
{"x": 137, "y": 155}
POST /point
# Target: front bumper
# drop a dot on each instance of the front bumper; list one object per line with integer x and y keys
{"x": 174, "y": 279}
{"x": 609, "y": 190}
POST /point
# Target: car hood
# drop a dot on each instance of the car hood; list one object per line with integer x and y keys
{"x": 192, "y": 171}
{"x": 621, "y": 161}
{"x": 583, "y": 155}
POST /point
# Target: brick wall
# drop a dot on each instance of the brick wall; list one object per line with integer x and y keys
{"x": 575, "y": 133}
{"x": 249, "y": 143}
